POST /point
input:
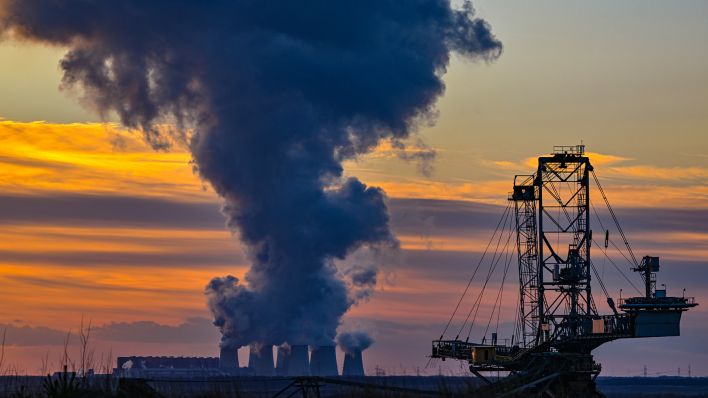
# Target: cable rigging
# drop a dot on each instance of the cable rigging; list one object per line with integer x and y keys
{"x": 493, "y": 265}
{"x": 503, "y": 218}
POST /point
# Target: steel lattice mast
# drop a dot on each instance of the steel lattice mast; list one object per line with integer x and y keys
{"x": 527, "y": 245}
{"x": 564, "y": 289}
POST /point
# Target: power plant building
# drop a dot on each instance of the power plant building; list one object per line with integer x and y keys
{"x": 323, "y": 361}
{"x": 260, "y": 360}
{"x": 353, "y": 364}
{"x": 153, "y": 366}
{"x": 228, "y": 358}
{"x": 292, "y": 361}
{"x": 299, "y": 363}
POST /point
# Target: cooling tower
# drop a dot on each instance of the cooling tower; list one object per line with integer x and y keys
{"x": 261, "y": 361}
{"x": 353, "y": 364}
{"x": 299, "y": 363}
{"x": 323, "y": 361}
{"x": 228, "y": 358}
{"x": 282, "y": 363}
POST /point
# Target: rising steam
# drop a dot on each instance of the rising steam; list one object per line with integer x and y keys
{"x": 277, "y": 95}
{"x": 350, "y": 342}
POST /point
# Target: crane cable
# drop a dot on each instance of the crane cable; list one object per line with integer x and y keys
{"x": 498, "y": 300}
{"x": 610, "y": 241}
{"x": 597, "y": 275}
{"x": 614, "y": 217}
{"x": 619, "y": 270}
{"x": 492, "y": 268}
{"x": 464, "y": 293}
{"x": 604, "y": 251}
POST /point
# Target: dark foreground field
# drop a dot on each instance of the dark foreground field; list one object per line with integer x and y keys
{"x": 257, "y": 387}
{"x": 626, "y": 387}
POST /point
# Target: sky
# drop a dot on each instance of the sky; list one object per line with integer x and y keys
{"x": 100, "y": 226}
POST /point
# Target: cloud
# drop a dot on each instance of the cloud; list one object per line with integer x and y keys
{"x": 88, "y": 258}
{"x": 80, "y": 285}
{"x": 67, "y": 161}
{"x": 681, "y": 176}
{"x": 192, "y": 331}
{"x": 40, "y": 158}
{"x": 69, "y": 209}
{"x": 529, "y": 165}
{"x": 23, "y": 336}
{"x": 403, "y": 314}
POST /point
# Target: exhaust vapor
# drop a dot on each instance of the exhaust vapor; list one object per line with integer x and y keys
{"x": 271, "y": 97}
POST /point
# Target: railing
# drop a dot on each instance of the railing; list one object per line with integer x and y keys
{"x": 524, "y": 188}
{"x": 617, "y": 324}
{"x": 462, "y": 350}
{"x": 455, "y": 349}
{"x": 658, "y": 301}
{"x": 524, "y": 179}
{"x": 571, "y": 150}
{"x": 611, "y": 326}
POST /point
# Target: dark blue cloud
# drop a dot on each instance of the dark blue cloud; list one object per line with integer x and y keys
{"x": 278, "y": 94}
{"x": 354, "y": 340}
{"x": 113, "y": 211}
{"x": 192, "y": 331}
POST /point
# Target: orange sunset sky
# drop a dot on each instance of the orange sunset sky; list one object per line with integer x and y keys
{"x": 96, "y": 224}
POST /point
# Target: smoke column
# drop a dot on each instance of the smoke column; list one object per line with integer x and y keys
{"x": 349, "y": 342}
{"x": 353, "y": 344}
{"x": 271, "y": 97}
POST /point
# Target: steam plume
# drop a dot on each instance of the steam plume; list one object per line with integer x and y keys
{"x": 350, "y": 342}
{"x": 276, "y": 95}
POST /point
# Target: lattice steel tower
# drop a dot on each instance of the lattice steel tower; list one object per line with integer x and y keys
{"x": 554, "y": 246}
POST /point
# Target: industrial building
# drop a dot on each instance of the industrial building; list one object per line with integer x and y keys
{"x": 296, "y": 360}
{"x": 293, "y": 361}
{"x": 353, "y": 364}
{"x": 323, "y": 361}
{"x": 153, "y": 366}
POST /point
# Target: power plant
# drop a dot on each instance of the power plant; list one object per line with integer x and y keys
{"x": 180, "y": 367}
{"x": 293, "y": 361}
{"x": 353, "y": 364}
{"x": 323, "y": 361}
{"x": 260, "y": 360}
{"x": 228, "y": 358}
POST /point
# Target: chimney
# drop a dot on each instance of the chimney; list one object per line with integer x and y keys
{"x": 353, "y": 364}
{"x": 260, "y": 361}
{"x": 282, "y": 364}
{"x": 324, "y": 361}
{"x": 299, "y": 363}
{"x": 228, "y": 358}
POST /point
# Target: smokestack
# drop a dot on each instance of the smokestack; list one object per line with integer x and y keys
{"x": 323, "y": 361}
{"x": 228, "y": 358}
{"x": 282, "y": 363}
{"x": 299, "y": 363}
{"x": 353, "y": 343}
{"x": 260, "y": 361}
{"x": 292, "y": 361}
{"x": 353, "y": 364}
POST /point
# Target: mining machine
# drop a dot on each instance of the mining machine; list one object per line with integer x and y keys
{"x": 558, "y": 323}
